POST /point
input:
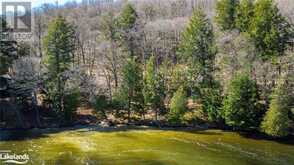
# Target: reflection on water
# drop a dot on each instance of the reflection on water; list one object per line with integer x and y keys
{"x": 150, "y": 147}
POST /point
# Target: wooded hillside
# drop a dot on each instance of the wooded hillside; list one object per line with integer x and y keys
{"x": 231, "y": 60}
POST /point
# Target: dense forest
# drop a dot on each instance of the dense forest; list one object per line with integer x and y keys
{"x": 223, "y": 64}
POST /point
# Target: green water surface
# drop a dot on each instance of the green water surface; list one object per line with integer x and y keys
{"x": 145, "y": 147}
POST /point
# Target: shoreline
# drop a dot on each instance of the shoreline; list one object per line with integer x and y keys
{"x": 113, "y": 127}
{"x": 24, "y": 134}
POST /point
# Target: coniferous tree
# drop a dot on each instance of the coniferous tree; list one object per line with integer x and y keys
{"x": 131, "y": 87}
{"x": 240, "y": 109}
{"x": 276, "y": 121}
{"x": 178, "y": 77}
{"x": 178, "y": 106}
{"x": 245, "y": 12}
{"x": 226, "y": 12}
{"x": 154, "y": 93}
{"x": 71, "y": 102}
{"x": 198, "y": 50}
{"x": 126, "y": 23}
{"x": 269, "y": 30}
{"x": 127, "y": 18}
{"x": 211, "y": 99}
{"x": 59, "y": 45}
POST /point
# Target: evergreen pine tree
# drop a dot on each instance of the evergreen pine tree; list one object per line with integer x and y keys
{"x": 241, "y": 103}
{"x": 131, "y": 87}
{"x": 59, "y": 46}
{"x": 226, "y": 14}
{"x": 245, "y": 12}
{"x": 71, "y": 102}
{"x": 276, "y": 121}
{"x": 198, "y": 49}
{"x": 178, "y": 106}
{"x": 127, "y": 18}
{"x": 126, "y": 23}
{"x": 153, "y": 87}
{"x": 211, "y": 99}
{"x": 177, "y": 77}
{"x": 269, "y": 30}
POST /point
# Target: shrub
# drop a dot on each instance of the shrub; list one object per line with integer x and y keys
{"x": 195, "y": 116}
{"x": 101, "y": 104}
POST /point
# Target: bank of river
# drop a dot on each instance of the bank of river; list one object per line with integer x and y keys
{"x": 144, "y": 147}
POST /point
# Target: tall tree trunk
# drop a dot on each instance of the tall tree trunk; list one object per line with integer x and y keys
{"x": 81, "y": 46}
{"x": 129, "y": 110}
{"x": 115, "y": 76}
{"x": 108, "y": 81}
{"x": 40, "y": 46}
{"x": 114, "y": 64}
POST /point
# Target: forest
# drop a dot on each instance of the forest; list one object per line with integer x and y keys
{"x": 224, "y": 64}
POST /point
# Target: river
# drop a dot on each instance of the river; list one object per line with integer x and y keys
{"x": 144, "y": 147}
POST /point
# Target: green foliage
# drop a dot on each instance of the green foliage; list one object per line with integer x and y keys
{"x": 101, "y": 103}
{"x": 212, "y": 102}
{"x": 71, "y": 103}
{"x": 240, "y": 107}
{"x": 118, "y": 101}
{"x": 276, "y": 121}
{"x": 178, "y": 78}
{"x": 226, "y": 13}
{"x": 127, "y": 18}
{"x": 292, "y": 114}
{"x": 269, "y": 30}
{"x": 245, "y": 12}
{"x": 131, "y": 87}
{"x": 132, "y": 76}
{"x": 59, "y": 46}
{"x": 196, "y": 116}
{"x": 126, "y": 23}
{"x": 5, "y": 62}
{"x": 166, "y": 70}
{"x": 154, "y": 91}
{"x": 178, "y": 106}
{"x": 198, "y": 49}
